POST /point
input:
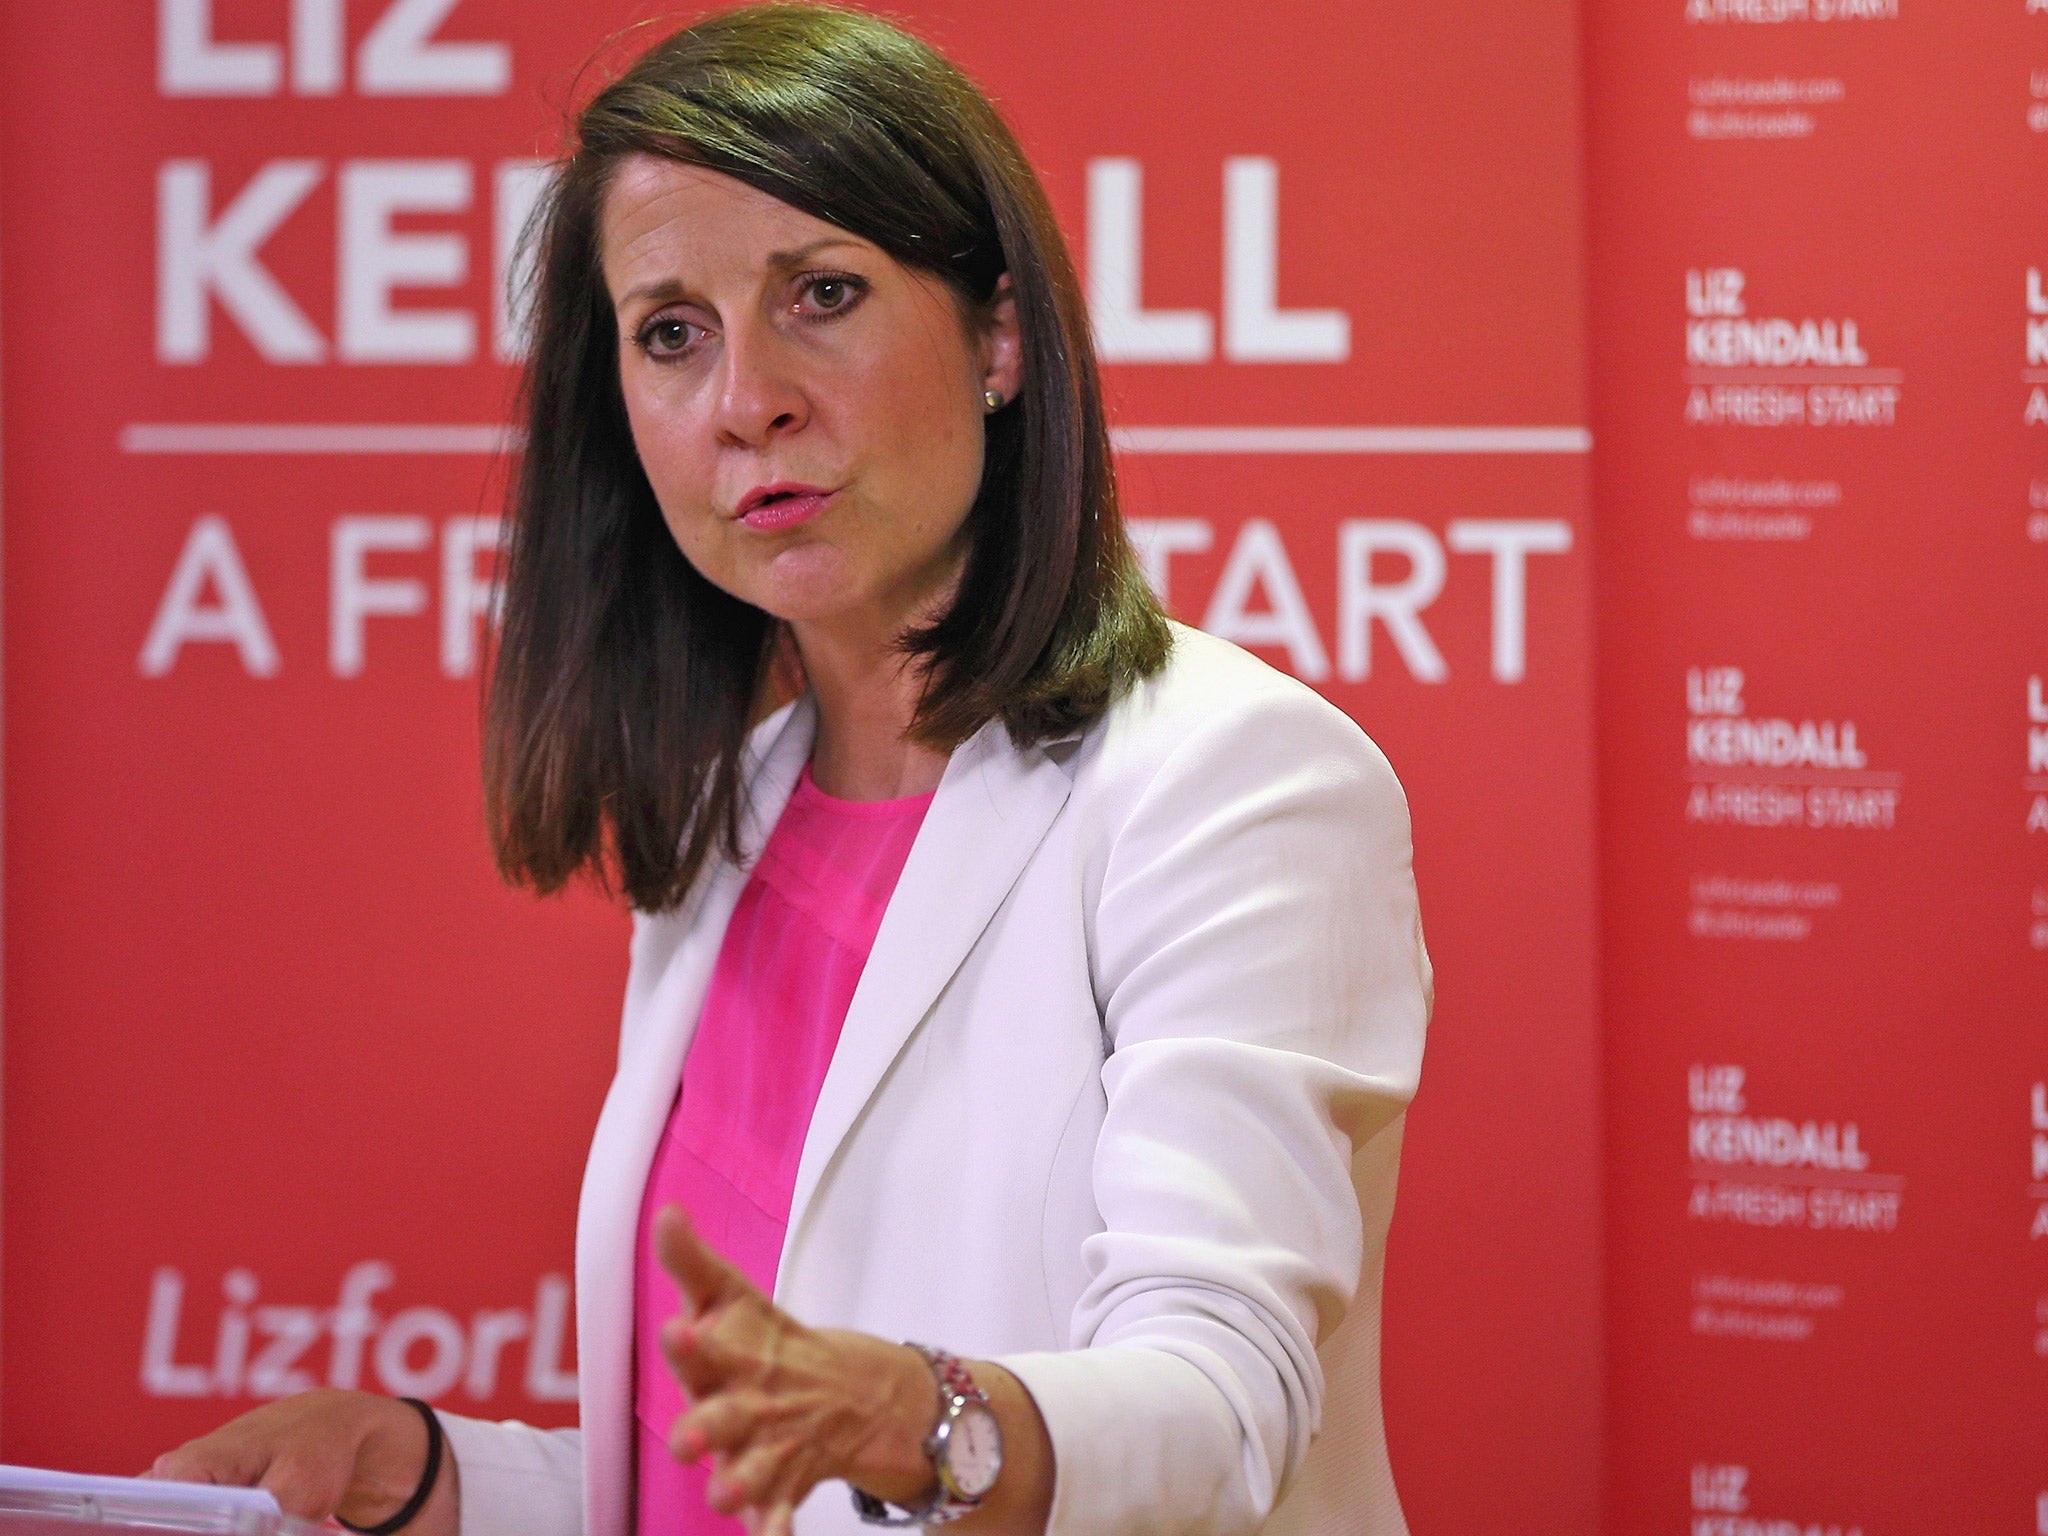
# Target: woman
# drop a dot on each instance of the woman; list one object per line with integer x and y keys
{"x": 1044, "y": 980}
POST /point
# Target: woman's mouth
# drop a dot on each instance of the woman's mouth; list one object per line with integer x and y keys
{"x": 782, "y": 509}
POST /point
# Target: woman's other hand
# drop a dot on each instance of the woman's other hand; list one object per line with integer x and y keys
{"x": 780, "y": 1406}
{"x": 324, "y": 1453}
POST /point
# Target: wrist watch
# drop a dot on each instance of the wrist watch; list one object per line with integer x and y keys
{"x": 965, "y": 1449}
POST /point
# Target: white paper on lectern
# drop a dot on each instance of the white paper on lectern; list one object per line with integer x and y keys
{"x": 33, "y": 1498}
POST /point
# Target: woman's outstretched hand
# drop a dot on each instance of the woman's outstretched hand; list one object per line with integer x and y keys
{"x": 782, "y": 1407}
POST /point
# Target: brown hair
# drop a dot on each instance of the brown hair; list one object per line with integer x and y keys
{"x": 620, "y": 689}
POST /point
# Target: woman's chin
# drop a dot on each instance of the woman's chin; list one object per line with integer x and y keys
{"x": 817, "y": 586}
{"x": 804, "y": 583}
{"x": 821, "y": 606}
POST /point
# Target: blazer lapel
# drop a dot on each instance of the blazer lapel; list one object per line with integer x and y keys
{"x": 989, "y": 814}
{"x": 774, "y": 760}
{"x": 655, "y": 1037}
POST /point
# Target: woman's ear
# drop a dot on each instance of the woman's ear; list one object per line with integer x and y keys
{"x": 1002, "y": 343}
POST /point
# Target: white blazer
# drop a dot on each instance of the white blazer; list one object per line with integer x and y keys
{"x": 1117, "y": 1103}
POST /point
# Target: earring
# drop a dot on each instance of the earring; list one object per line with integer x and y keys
{"x": 991, "y": 399}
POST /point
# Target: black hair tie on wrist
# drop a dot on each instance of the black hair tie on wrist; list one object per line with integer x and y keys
{"x": 418, "y": 1501}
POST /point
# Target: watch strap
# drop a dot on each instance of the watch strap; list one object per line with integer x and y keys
{"x": 955, "y": 1380}
{"x": 877, "y": 1512}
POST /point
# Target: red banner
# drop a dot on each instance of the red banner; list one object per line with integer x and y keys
{"x": 1818, "y": 239}
{"x": 295, "y": 1092}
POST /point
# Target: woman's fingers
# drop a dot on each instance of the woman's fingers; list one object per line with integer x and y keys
{"x": 780, "y": 1405}
{"x": 718, "y": 1423}
{"x": 701, "y": 1272}
{"x": 306, "y": 1450}
{"x": 747, "y": 1342}
{"x": 301, "y": 1489}
{"x": 728, "y": 1331}
{"x": 179, "y": 1467}
{"x": 216, "y": 1458}
{"x": 750, "y": 1477}
{"x": 704, "y": 1361}
{"x": 715, "y": 1424}
{"x": 726, "y": 1342}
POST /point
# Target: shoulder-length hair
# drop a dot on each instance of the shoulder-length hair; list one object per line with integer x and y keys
{"x": 624, "y": 683}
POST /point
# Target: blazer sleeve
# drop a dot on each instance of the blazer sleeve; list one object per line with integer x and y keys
{"x": 516, "y": 1480}
{"x": 1264, "y": 989}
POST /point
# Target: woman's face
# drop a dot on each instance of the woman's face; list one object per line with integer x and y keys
{"x": 759, "y": 345}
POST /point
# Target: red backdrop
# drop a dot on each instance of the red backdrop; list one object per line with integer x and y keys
{"x": 1819, "y": 229}
{"x": 295, "y": 1092}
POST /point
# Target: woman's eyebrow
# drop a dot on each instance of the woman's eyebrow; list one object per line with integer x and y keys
{"x": 665, "y": 290}
{"x": 782, "y": 261}
{"x": 661, "y": 291}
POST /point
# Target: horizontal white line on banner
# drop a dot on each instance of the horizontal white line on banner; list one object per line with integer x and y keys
{"x": 2034, "y": 375}
{"x": 2035, "y": 785}
{"x": 1352, "y": 439}
{"x": 1789, "y": 375}
{"x": 2038, "y": 1191}
{"x": 261, "y": 437}
{"x": 1846, "y": 778}
{"x": 227, "y": 437}
{"x": 1818, "y": 1178}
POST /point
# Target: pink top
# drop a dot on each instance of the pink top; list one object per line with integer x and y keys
{"x": 778, "y": 995}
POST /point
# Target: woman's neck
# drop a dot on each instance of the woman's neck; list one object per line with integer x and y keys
{"x": 867, "y": 697}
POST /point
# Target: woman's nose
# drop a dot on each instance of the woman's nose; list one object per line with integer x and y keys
{"x": 760, "y": 389}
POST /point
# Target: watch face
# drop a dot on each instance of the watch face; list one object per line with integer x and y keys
{"x": 974, "y": 1451}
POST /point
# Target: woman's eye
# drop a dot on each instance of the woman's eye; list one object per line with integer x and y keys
{"x": 666, "y": 336}
{"x": 834, "y": 293}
